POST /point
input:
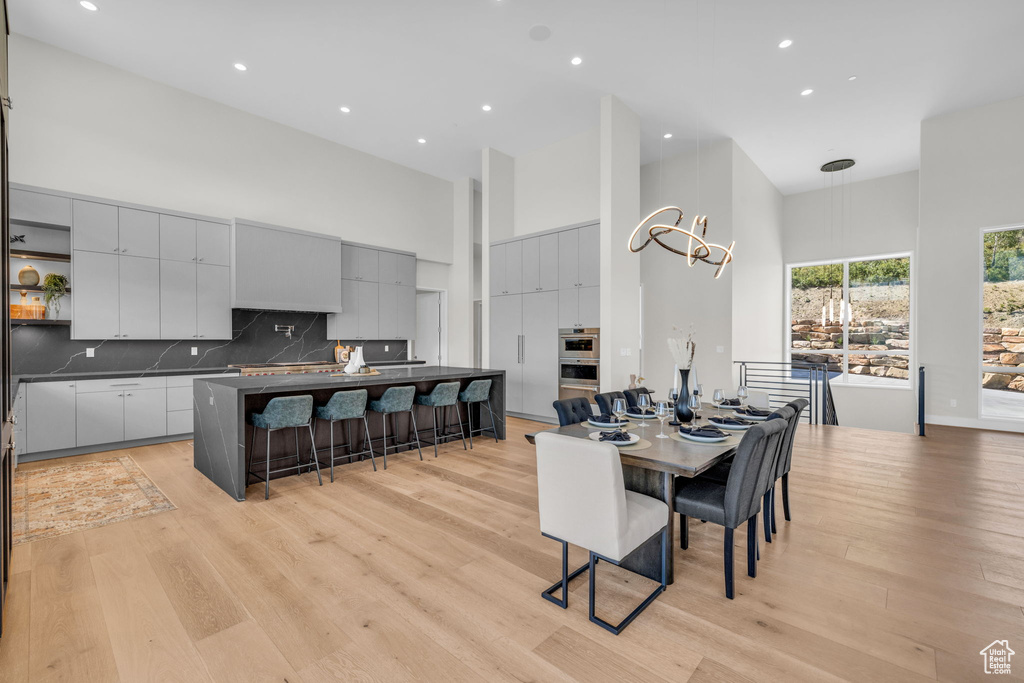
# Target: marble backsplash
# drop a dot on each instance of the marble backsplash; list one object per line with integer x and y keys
{"x": 39, "y": 350}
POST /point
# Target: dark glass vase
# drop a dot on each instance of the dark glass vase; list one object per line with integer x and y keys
{"x": 683, "y": 412}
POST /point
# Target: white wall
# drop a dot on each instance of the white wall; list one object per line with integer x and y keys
{"x": 558, "y": 185}
{"x": 82, "y": 126}
{"x": 676, "y": 295}
{"x": 971, "y": 178}
{"x": 880, "y": 217}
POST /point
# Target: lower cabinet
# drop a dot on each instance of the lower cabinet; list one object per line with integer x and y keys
{"x": 50, "y": 416}
{"x": 100, "y": 417}
{"x": 145, "y": 414}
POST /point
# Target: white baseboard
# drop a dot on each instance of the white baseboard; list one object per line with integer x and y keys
{"x": 976, "y": 423}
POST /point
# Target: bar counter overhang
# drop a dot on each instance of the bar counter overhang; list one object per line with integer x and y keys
{"x": 221, "y": 406}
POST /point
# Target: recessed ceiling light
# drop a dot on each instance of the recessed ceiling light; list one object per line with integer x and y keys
{"x": 88, "y": 5}
{"x": 576, "y": 61}
{"x": 852, "y": 78}
{"x": 667, "y": 135}
{"x": 486, "y": 107}
{"x": 345, "y": 110}
{"x": 422, "y": 141}
{"x": 240, "y": 66}
{"x": 807, "y": 92}
{"x": 786, "y": 43}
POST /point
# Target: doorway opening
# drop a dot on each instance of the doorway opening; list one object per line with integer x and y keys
{"x": 431, "y": 343}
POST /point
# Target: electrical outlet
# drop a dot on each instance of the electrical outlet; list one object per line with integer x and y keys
{"x": 90, "y": 353}
{"x": 211, "y": 400}
{"x": 952, "y": 403}
{"x": 719, "y": 349}
{"x": 195, "y": 350}
{"x": 386, "y": 348}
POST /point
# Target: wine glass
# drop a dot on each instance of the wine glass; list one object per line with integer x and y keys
{"x": 619, "y": 408}
{"x": 663, "y": 411}
{"x": 643, "y": 404}
{"x": 699, "y": 390}
{"x": 742, "y": 394}
{"x": 718, "y": 398}
{"x": 693, "y": 403}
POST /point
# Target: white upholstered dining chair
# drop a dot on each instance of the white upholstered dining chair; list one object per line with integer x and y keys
{"x": 583, "y": 501}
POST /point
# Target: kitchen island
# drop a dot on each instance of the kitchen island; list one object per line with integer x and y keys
{"x": 222, "y": 405}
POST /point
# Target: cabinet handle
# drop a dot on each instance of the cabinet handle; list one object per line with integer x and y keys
{"x": 123, "y": 335}
{"x": 71, "y": 386}
{"x": 126, "y": 384}
{"x": 201, "y": 336}
{"x": 127, "y": 394}
{"x": 193, "y": 258}
{"x": 124, "y": 250}
{"x": 200, "y": 260}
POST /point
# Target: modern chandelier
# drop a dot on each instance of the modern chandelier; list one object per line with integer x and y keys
{"x": 701, "y": 251}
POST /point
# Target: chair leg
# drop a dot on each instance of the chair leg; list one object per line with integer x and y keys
{"x": 415, "y": 430}
{"x": 462, "y": 432}
{"x": 433, "y": 414}
{"x": 298, "y": 460}
{"x": 752, "y": 548}
{"x": 684, "y": 532}
{"x": 316, "y": 458}
{"x": 772, "y": 492}
{"x": 643, "y": 605}
{"x": 266, "y": 494}
{"x": 469, "y": 419}
{"x": 728, "y": 563}
{"x": 767, "y": 505}
{"x": 368, "y": 442}
{"x": 785, "y": 495}
{"x": 384, "y": 422}
{"x": 566, "y": 578}
{"x": 494, "y": 424}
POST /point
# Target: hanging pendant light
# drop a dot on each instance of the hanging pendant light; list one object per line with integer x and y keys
{"x": 837, "y": 166}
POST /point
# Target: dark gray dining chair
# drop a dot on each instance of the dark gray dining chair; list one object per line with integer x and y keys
{"x": 606, "y": 400}
{"x": 572, "y": 411}
{"x": 738, "y": 500}
{"x": 785, "y": 462}
{"x": 632, "y": 395}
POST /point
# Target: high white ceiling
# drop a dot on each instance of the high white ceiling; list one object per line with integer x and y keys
{"x": 423, "y": 68}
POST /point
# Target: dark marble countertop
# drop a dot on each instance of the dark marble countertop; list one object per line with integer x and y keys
{"x": 268, "y": 384}
{"x": 117, "y": 374}
{"x": 380, "y": 363}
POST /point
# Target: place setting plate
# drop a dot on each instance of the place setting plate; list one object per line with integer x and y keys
{"x": 721, "y": 425}
{"x": 638, "y": 416}
{"x": 634, "y": 439}
{"x": 680, "y": 436}
{"x": 745, "y": 416}
{"x": 610, "y": 425}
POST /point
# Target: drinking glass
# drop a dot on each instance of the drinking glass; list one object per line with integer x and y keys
{"x": 693, "y": 403}
{"x": 700, "y": 391}
{"x": 663, "y": 411}
{"x": 619, "y": 408}
{"x": 718, "y": 398}
{"x": 742, "y": 394}
{"x": 643, "y": 404}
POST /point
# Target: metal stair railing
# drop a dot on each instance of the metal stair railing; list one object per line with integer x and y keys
{"x": 785, "y": 381}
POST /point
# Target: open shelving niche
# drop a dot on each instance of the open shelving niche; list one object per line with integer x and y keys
{"x": 51, "y": 246}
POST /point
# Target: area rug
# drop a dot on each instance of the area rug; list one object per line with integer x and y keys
{"x": 62, "y": 499}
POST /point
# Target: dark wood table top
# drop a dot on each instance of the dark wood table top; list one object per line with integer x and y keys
{"x": 682, "y": 458}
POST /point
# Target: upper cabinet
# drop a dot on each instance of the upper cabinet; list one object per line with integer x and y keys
{"x": 396, "y": 269}
{"x": 39, "y": 208}
{"x": 286, "y": 270}
{"x": 213, "y": 243}
{"x": 540, "y": 264}
{"x": 359, "y": 263}
{"x": 177, "y": 238}
{"x": 94, "y": 227}
{"x": 507, "y": 268}
{"x": 138, "y": 232}
{"x": 579, "y": 260}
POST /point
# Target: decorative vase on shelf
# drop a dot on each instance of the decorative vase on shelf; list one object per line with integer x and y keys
{"x": 683, "y": 412}
{"x": 28, "y": 276}
{"x": 355, "y": 361}
{"x": 35, "y": 310}
{"x": 632, "y": 382}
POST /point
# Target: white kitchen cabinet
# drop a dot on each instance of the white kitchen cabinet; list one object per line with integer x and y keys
{"x": 145, "y": 413}
{"x": 360, "y": 312}
{"x": 506, "y": 328}
{"x": 397, "y": 311}
{"x": 398, "y": 269}
{"x": 138, "y": 297}
{"x": 590, "y": 256}
{"x": 579, "y": 307}
{"x": 99, "y": 417}
{"x": 359, "y": 263}
{"x": 539, "y": 353}
{"x": 569, "y": 259}
{"x": 177, "y": 238}
{"x": 38, "y": 207}
{"x": 506, "y": 268}
{"x": 95, "y": 306}
{"x": 213, "y": 243}
{"x": 138, "y": 232}
{"x": 213, "y": 302}
{"x": 540, "y": 264}
{"x": 279, "y": 269}
{"x": 178, "y": 300}
{"x": 94, "y": 227}
{"x": 50, "y": 415}
{"x": 497, "y": 270}
{"x": 180, "y": 422}
{"x": 20, "y": 427}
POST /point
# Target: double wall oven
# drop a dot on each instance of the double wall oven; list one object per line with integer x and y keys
{"x": 579, "y": 362}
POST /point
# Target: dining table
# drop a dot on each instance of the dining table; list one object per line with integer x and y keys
{"x": 652, "y": 471}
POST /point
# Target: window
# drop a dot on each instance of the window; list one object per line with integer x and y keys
{"x": 1002, "y": 320}
{"x": 855, "y": 316}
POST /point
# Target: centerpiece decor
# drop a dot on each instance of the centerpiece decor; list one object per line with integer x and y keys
{"x": 683, "y": 351}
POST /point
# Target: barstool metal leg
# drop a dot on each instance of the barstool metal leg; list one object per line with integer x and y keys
{"x": 252, "y": 449}
{"x": 384, "y": 422}
{"x": 266, "y": 494}
{"x": 462, "y": 432}
{"x": 369, "y": 442}
{"x": 416, "y": 431}
{"x": 433, "y": 414}
{"x": 469, "y": 419}
{"x": 494, "y": 424}
{"x": 312, "y": 449}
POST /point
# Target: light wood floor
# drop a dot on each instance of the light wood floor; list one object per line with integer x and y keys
{"x": 904, "y": 558}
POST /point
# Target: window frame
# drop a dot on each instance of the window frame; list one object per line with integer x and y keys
{"x": 980, "y": 352}
{"x": 844, "y": 377}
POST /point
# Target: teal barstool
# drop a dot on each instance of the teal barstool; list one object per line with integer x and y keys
{"x": 285, "y": 412}
{"x": 478, "y": 391}
{"x": 346, "y": 405}
{"x": 442, "y": 397}
{"x": 396, "y": 400}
